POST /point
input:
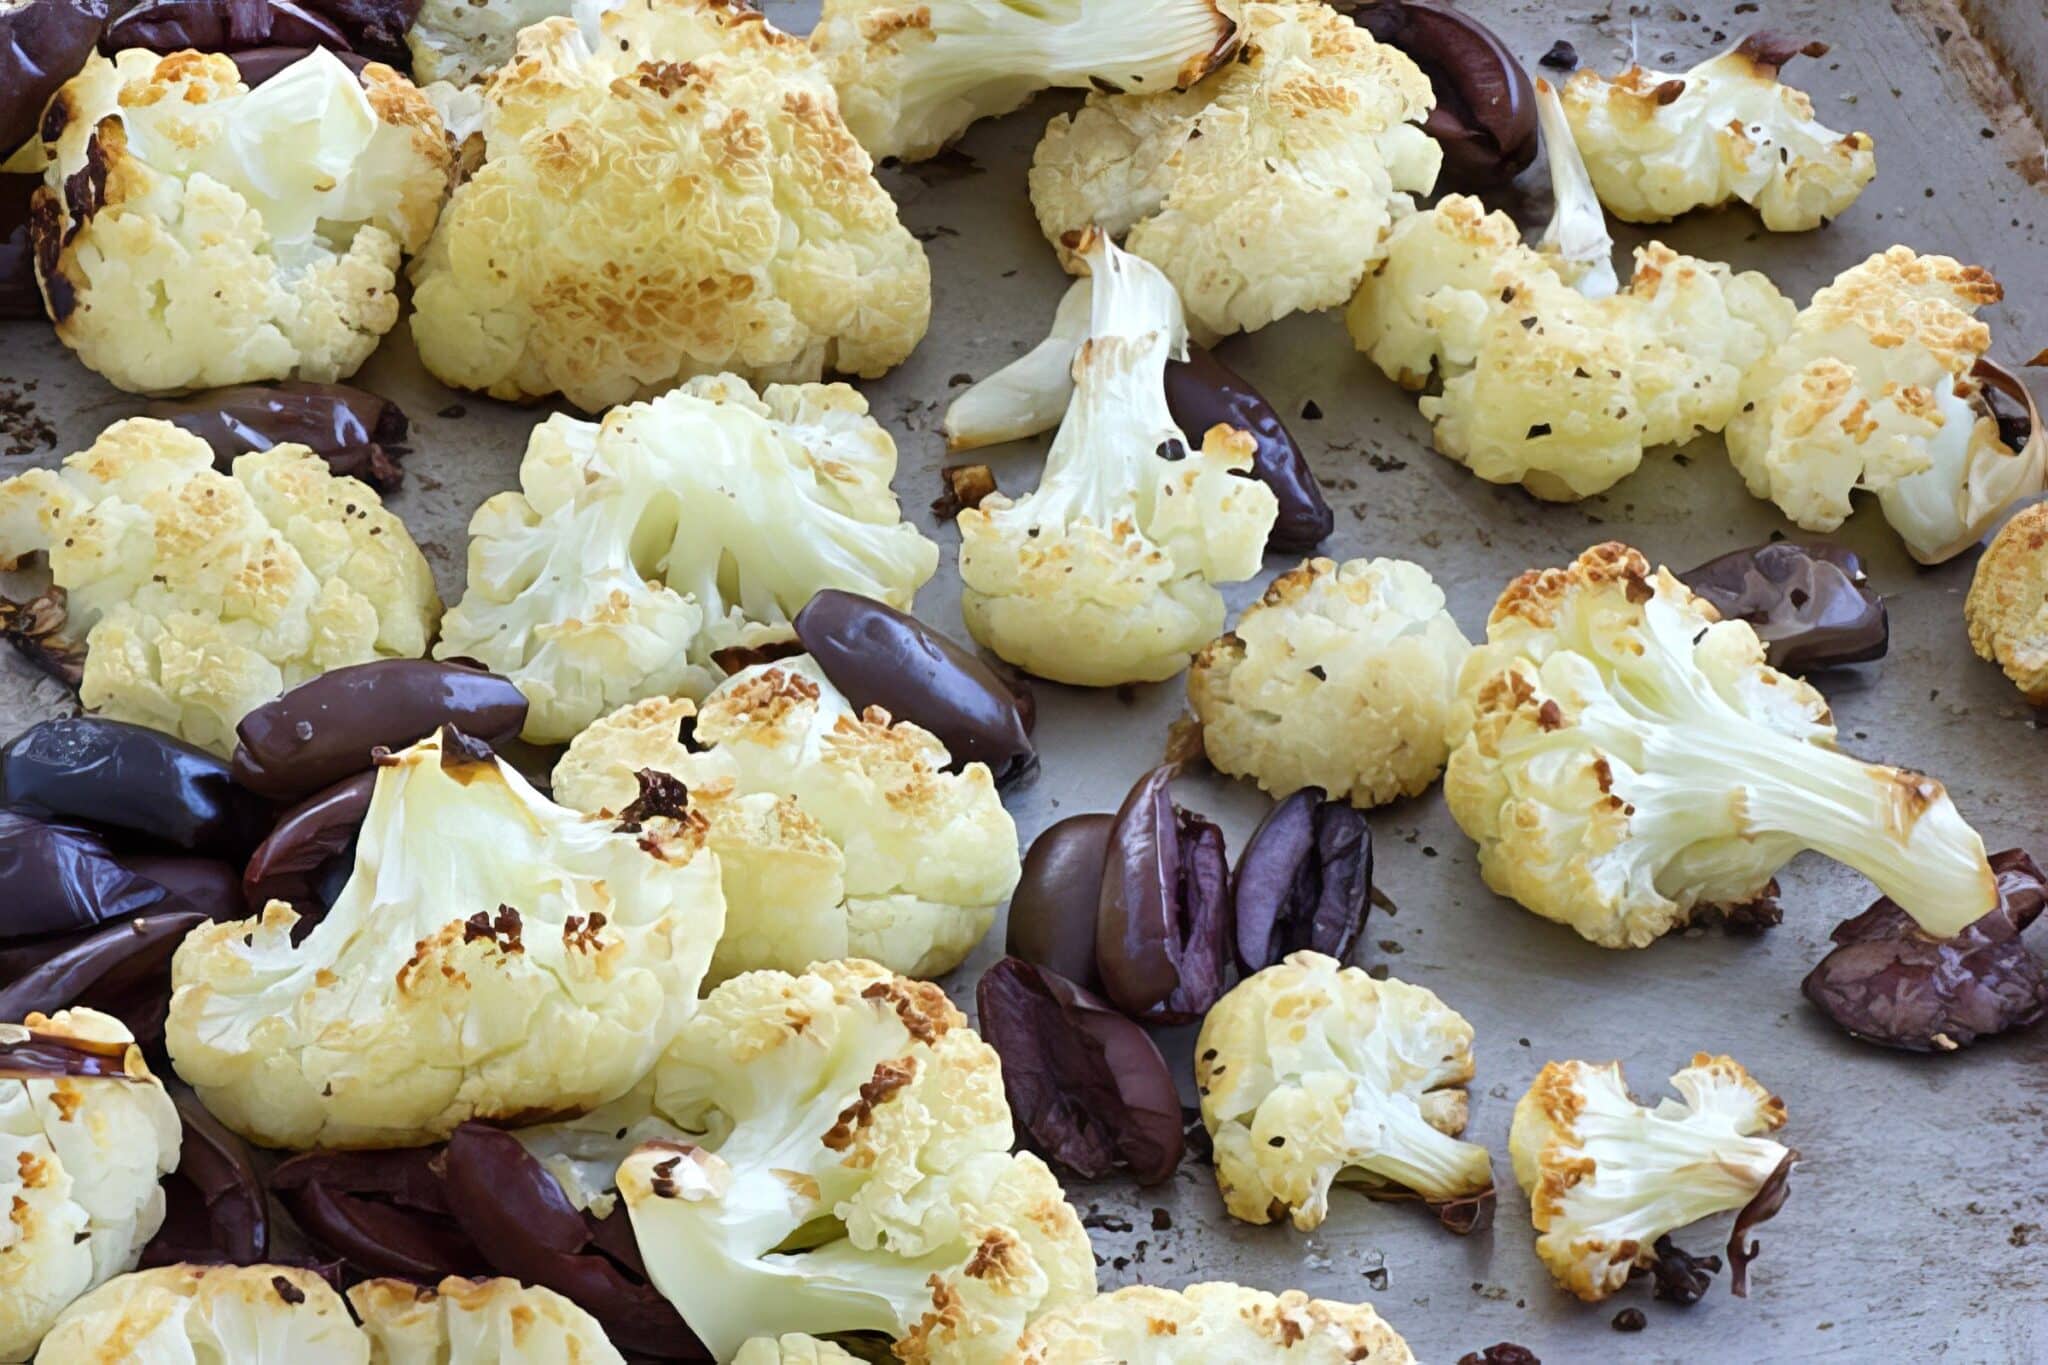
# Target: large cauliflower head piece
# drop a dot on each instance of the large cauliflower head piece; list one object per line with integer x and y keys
{"x": 477, "y": 1322}
{"x": 1662, "y": 143}
{"x": 1624, "y": 758}
{"x": 1878, "y": 388}
{"x": 1102, "y": 575}
{"x": 2007, "y": 608}
{"x": 1607, "y": 1177}
{"x": 491, "y": 955}
{"x": 1311, "y": 1072}
{"x": 853, "y": 1114}
{"x": 1267, "y": 188}
{"x": 86, "y": 1133}
{"x": 676, "y": 197}
{"x": 1341, "y": 677}
{"x": 192, "y": 232}
{"x": 639, "y": 546}
{"x": 1211, "y": 1324}
{"x": 200, "y": 595}
{"x": 837, "y": 832}
{"x": 249, "y": 1314}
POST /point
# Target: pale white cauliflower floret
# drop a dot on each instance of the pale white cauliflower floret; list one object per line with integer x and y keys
{"x": 199, "y": 595}
{"x": 675, "y": 197}
{"x": 80, "y": 1161}
{"x": 2007, "y": 608}
{"x": 477, "y": 1322}
{"x": 491, "y": 955}
{"x": 638, "y": 546}
{"x": 247, "y": 1315}
{"x": 1103, "y": 574}
{"x": 837, "y": 833}
{"x": 1266, "y": 189}
{"x": 192, "y": 232}
{"x": 1211, "y": 1324}
{"x": 792, "y": 1348}
{"x": 1662, "y": 143}
{"x": 1877, "y": 389}
{"x": 1340, "y": 677}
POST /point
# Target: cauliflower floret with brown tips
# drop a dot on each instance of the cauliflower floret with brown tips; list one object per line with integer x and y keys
{"x": 477, "y": 1322}
{"x": 676, "y": 197}
{"x": 247, "y": 1315}
{"x": 1341, "y": 677}
{"x": 2007, "y": 608}
{"x": 200, "y": 595}
{"x": 192, "y": 232}
{"x": 1211, "y": 1324}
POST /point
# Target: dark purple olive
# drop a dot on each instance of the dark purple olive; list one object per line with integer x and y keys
{"x": 374, "y": 27}
{"x": 385, "y": 1213}
{"x": 1762, "y": 1207}
{"x": 323, "y": 730}
{"x": 1053, "y": 909}
{"x": 168, "y": 26}
{"x": 19, "y": 297}
{"x": 215, "y": 1209}
{"x": 256, "y": 65}
{"x": 1676, "y": 1275}
{"x": 30, "y": 1054}
{"x": 1501, "y": 1353}
{"x": 1087, "y": 1085}
{"x": 1485, "y": 115}
{"x": 1202, "y": 391}
{"x": 43, "y": 43}
{"x": 313, "y": 841}
{"x": 1303, "y": 881}
{"x": 1163, "y": 925}
{"x": 1810, "y": 604}
{"x": 122, "y": 969}
{"x": 879, "y": 656}
{"x": 1890, "y": 983}
{"x": 61, "y": 877}
{"x": 357, "y": 433}
{"x": 134, "y": 780}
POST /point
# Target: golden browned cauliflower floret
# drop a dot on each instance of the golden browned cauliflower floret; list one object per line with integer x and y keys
{"x": 678, "y": 198}
{"x": 237, "y": 1315}
{"x": 1211, "y": 1324}
{"x": 2008, "y": 604}
{"x": 192, "y": 232}
{"x": 200, "y": 595}
{"x": 477, "y": 1322}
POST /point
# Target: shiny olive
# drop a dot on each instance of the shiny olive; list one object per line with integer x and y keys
{"x": 258, "y": 64}
{"x": 383, "y": 1212}
{"x": 1053, "y": 909}
{"x": 311, "y": 848}
{"x": 215, "y": 1208}
{"x": 19, "y": 297}
{"x": 43, "y": 43}
{"x": 1163, "y": 926}
{"x": 168, "y": 26}
{"x": 131, "y": 779}
{"x": 1303, "y": 880}
{"x": 356, "y": 432}
{"x": 1202, "y": 391}
{"x": 122, "y": 969}
{"x": 1810, "y": 604}
{"x": 1485, "y": 114}
{"x": 374, "y": 27}
{"x": 61, "y": 877}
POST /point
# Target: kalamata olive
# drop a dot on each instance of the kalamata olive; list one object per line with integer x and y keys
{"x": 323, "y": 730}
{"x": 19, "y": 297}
{"x": 258, "y": 64}
{"x": 215, "y": 1209}
{"x": 356, "y": 432}
{"x": 168, "y": 26}
{"x": 122, "y": 969}
{"x": 1202, "y": 391}
{"x": 43, "y": 43}
{"x": 1485, "y": 115}
{"x": 1059, "y": 895}
{"x": 1676, "y": 1275}
{"x": 374, "y": 27}
{"x": 131, "y": 779}
{"x": 1163, "y": 926}
{"x": 1303, "y": 880}
{"x": 1087, "y": 1085}
{"x": 1810, "y": 604}
{"x": 385, "y": 1213}
{"x": 30, "y": 1054}
{"x": 61, "y": 877}
{"x": 1761, "y": 1208}
{"x": 879, "y": 656}
{"x": 297, "y": 862}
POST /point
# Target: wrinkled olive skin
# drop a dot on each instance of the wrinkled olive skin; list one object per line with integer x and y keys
{"x": 383, "y": 1212}
{"x": 354, "y": 431}
{"x": 215, "y": 1209}
{"x": 1485, "y": 115}
{"x": 61, "y": 877}
{"x": 122, "y": 969}
{"x": 20, "y": 299}
{"x": 168, "y": 26}
{"x": 43, "y": 43}
{"x": 1163, "y": 923}
{"x": 323, "y": 730}
{"x": 312, "y": 846}
{"x": 1202, "y": 391}
{"x": 879, "y": 656}
{"x": 1809, "y": 604}
{"x": 258, "y": 64}
{"x": 374, "y": 27}
{"x": 134, "y": 780}
{"x": 1059, "y": 895}
{"x": 1304, "y": 880}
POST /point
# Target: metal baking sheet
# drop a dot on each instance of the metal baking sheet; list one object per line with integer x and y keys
{"x": 1918, "y": 1224}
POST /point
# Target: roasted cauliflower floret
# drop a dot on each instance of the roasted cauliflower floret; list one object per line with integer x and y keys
{"x": 2008, "y": 603}
{"x": 677, "y": 197}
{"x": 1623, "y": 758}
{"x": 1267, "y": 188}
{"x": 639, "y": 546}
{"x": 459, "y": 42}
{"x": 792, "y": 1348}
{"x": 248, "y": 1315}
{"x": 477, "y": 1322}
{"x": 1877, "y": 388}
{"x": 192, "y": 232}
{"x": 1103, "y": 574}
{"x": 1211, "y": 1324}
{"x": 200, "y": 595}
{"x": 854, "y": 1114}
{"x": 1311, "y": 1072}
{"x": 1662, "y": 143}
{"x": 1340, "y": 677}
{"x": 491, "y": 955}
{"x": 1606, "y": 1177}
{"x": 86, "y": 1132}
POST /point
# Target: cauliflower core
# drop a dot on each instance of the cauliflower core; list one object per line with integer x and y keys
{"x": 1340, "y": 677}
{"x": 849, "y": 1170}
{"x": 80, "y": 1158}
{"x": 1623, "y": 758}
{"x": 1311, "y": 1072}
{"x": 491, "y": 955}
{"x": 192, "y": 232}
{"x": 640, "y": 545}
{"x": 2008, "y": 603}
{"x": 200, "y": 595}
{"x": 1267, "y": 188}
{"x": 1877, "y": 388}
{"x": 1103, "y": 574}
{"x": 1606, "y": 1177}
{"x": 1662, "y": 143}
{"x": 1211, "y": 1324}
{"x": 677, "y": 197}
{"x": 477, "y": 1322}
{"x": 247, "y": 1315}
{"x": 911, "y": 77}
{"x": 836, "y": 832}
